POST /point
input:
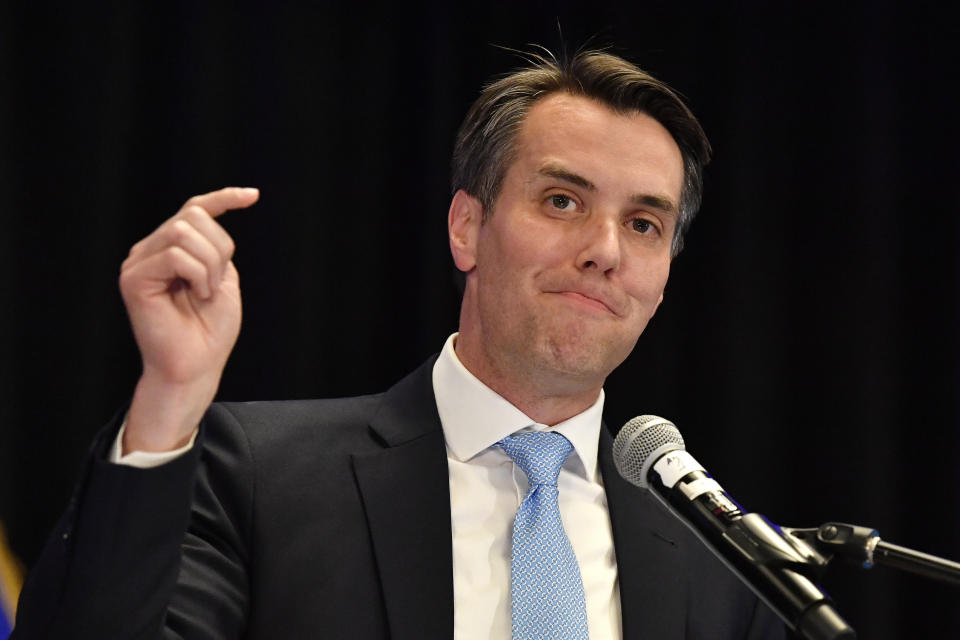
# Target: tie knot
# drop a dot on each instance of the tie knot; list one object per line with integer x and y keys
{"x": 539, "y": 453}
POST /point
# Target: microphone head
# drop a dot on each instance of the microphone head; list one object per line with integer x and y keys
{"x": 640, "y": 443}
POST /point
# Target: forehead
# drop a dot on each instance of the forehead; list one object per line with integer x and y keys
{"x": 618, "y": 150}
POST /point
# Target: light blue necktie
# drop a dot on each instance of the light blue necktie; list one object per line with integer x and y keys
{"x": 545, "y": 585}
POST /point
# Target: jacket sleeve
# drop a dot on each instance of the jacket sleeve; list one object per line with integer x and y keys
{"x": 149, "y": 553}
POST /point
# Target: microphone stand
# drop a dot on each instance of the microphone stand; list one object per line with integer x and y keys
{"x": 863, "y": 546}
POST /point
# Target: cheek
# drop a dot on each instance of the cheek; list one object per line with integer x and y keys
{"x": 506, "y": 257}
{"x": 647, "y": 289}
{"x": 499, "y": 274}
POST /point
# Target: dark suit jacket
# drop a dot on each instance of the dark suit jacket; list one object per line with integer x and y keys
{"x": 326, "y": 519}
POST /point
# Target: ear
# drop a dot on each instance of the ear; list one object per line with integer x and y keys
{"x": 463, "y": 227}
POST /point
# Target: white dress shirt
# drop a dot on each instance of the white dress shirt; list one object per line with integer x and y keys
{"x": 486, "y": 489}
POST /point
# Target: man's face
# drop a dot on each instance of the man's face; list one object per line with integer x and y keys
{"x": 571, "y": 264}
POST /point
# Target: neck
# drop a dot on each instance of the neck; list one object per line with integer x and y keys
{"x": 546, "y": 398}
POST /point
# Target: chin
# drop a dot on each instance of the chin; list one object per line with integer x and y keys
{"x": 589, "y": 360}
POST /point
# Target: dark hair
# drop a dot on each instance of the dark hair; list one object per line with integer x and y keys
{"x": 485, "y": 145}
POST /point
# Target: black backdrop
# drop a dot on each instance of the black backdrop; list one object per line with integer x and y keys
{"x": 807, "y": 347}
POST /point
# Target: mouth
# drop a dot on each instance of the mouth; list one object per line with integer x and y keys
{"x": 586, "y": 301}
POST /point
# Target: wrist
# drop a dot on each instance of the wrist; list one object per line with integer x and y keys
{"x": 163, "y": 416}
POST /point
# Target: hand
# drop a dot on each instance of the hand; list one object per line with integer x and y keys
{"x": 182, "y": 294}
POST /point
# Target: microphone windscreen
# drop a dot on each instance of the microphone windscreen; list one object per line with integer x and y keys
{"x": 640, "y": 443}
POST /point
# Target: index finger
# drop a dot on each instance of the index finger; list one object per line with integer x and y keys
{"x": 216, "y": 202}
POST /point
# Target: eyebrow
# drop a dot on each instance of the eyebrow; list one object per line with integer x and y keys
{"x": 661, "y": 203}
{"x": 556, "y": 171}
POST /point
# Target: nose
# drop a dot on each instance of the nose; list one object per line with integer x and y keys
{"x": 599, "y": 245}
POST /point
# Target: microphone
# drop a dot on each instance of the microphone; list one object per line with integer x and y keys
{"x": 649, "y": 453}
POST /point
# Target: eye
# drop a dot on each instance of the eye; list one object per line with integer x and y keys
{"x": 562, "y": 202}
{"x": 642, "y": 225}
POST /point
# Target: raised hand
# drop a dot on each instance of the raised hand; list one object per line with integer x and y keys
{"x": 182, "y": 294}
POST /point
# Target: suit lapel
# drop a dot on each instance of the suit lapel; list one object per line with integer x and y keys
{"x": 406, "y": 496}
{"x": 649, "y": 559}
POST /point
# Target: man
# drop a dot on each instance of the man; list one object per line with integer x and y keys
{"x": 396, "y": 515}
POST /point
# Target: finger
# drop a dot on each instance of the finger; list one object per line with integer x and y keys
{"x": 210, "y": 229}
{"x": 216, "y": 202}
{"x": 199, "y": 208}
{"x": 178, "y": 232}
{"x": 201, "y": 221}
{"x": 158, "y": 272}
{"x": 230, "y": 272}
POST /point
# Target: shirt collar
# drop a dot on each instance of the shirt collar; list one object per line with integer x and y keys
{"x": 475, "y": 417}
